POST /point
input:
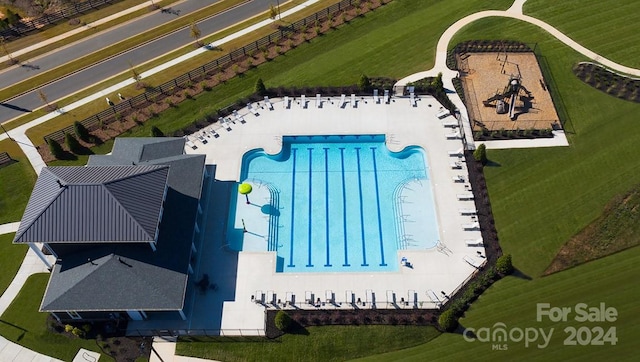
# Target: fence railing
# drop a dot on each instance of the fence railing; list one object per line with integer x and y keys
{"x": 197, "y": 74}
{"x": 199, "y": 334}
{"x": 5, "y": 158}
{"x": 25, "y": 26}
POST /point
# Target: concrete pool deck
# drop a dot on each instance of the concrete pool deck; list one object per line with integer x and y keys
{"x": 248, "y": 281}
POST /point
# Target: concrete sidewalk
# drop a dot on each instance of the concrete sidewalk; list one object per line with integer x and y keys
{"x": 9, "y": 228}
{"x": 73, "y": 32}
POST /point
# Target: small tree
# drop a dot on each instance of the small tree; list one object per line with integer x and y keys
{"x": 135, "y": 74}
{"x": 504, "y": 265}
{"x": 365, "y": 83}
{"x": 260, "y": 87}
{"x": 272, "y": 12}
{"x": 282, "y": 321}
{"x": 156, "y": 132}
{"x": 81, "y": 131}
{"x": 480, "y": 154}
{"x": 195, "y": 32}
{"x": 55, "y": 149}
{"x": 43, "y": 97}
{"x": 72, "y": 143}
{"x": 3, "y": 46}
{"x": 448, "y": 321}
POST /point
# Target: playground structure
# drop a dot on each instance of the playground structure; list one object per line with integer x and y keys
{"x": 499, "y": 89}
{"x": 512, "y": 93}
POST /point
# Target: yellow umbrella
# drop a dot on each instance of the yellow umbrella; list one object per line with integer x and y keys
{"x": 245, "y": 189}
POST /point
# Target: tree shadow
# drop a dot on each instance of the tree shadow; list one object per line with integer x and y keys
{"x": 491, "y": 163}
{"x": 461, "y": 331}
{"x": 83, "y": 150}
{"x": 519, "y": 274}
{"x": 67, "y": 156}
{"x": 297, "y": 329}
{"x": 16, "y": 108}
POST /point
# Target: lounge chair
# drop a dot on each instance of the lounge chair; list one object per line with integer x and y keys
{"x": 308, "y": 297}
{"x": 376, "y": 96}
{"x": 303, "y": 101}
{"x": 456, "y": 165}
{"x": 287, "y": 105}
{"x": 467, "y": 211}
{"x": 259, "y": 297}
{"x": 412, "y": 100}
{"x": 354, "y": 104}
{"x": 239, "y": 117}
{"x": 290, "y": 299}
{"x": 434, "y": 298}
{"x": 472, "y": 226}
{"x": 443, "y": 112}
{"x": 371, "y": 298}
{"x": 342, "y": 100}
{"x": 386, "y": 96}
{"x": 267, "y": 102}
{"x": 252, "y": 110}
{"x": 318, "y": 101}
{"x": 350, "y": 298}
{"x": 271, "y": 297}
{"x": 191, "y": 144}
{"x": 454, "y": 135}
{"x": 458, "y": 178}
{"x": 201, "y": 138}
{"x": 467, "y": 196}
{"x": 451, "y": 123}
{"x": 328, "y": 295}
{"x": 391, "y": 297}
{"x": 474, "y": 242}
{"x": 472, "y": 261}
{"x": 412, "y": 299}
{"x": 457, "y": 153}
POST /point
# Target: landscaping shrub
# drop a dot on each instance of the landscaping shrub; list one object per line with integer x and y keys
{"x": 55, "y": 149}
{"x": 504, "y": 265}
{"x": 448, "y": 321}
{"x": 364, "y": 83}
{"x": 156, "y": 132}
{"x": 480, "y": 154}
{"x": 282, "y": 321}
{"x": 72, "y": 143}
{"x": 81, "y": 131}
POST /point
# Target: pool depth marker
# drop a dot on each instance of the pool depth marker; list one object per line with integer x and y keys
{"x": 293, "y": 193}
{"x": 326, "y": 201}
{"x": 364, "y": 250}
{"x": 375, "y": 178}
{"x": 344, "y": 210}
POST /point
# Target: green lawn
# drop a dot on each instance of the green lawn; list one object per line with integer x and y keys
{"x": 320, "y": 344}
{"x": 16, "y": 182}
{"x": 512, "y": 301}
{"x": 10, "y": 259}
{"x": 609, "y": 28}
{"x": 23, "y": 324}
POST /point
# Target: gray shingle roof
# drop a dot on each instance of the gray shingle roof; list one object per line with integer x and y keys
{"x": 140, "y": 149}
{"x": 95, "y": 204}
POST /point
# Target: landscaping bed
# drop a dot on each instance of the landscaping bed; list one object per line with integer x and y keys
{"x": 609, "y": 82}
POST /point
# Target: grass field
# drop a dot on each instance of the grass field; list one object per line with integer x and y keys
{"x": 16, "y": 182}
{"x": 609, "y": 28}
{"x": 512, "y": 301}
{"x": 319, "y": 344}
{"x": 10, "y": 259}
{"x": 23, "y": 324}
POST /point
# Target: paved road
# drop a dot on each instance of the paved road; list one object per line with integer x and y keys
{"x": 72, "y": 83}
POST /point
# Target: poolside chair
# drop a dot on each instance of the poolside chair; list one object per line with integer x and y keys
{"x": 474, "y": 242}
{"x": 350, "y": 298}
{"x": 342, "y": 100}
{"x": 434, "y": 298}
{"x": 303, "y": 101}
{"x": 290, "y": 299}
{"x": 467, "y": 211}
{"x": 271, "y": 297}
{"x": 412, "y": 299}
{"x": 457, "y": 153}
{"x": 267, "y": 102}
{"x": 471, "y": 227}
{"x": 212, "y": 132}
{"x": 451, "y": 123}
{"x": 386, "y": 96}
{"x": 329, "y": 296}
{"x": 252, "y": 110}
{"x": 259, "y": 297}
{"x": 354, "y": 104}
{"x": 456, "y": 165}
{"x": 318, "y": 101}
{"x": 454, "y": 135}
{"x": 287, "y": 105}
{"x": 458, "y": 178}
{"x": 190, "y": 144}
{"x": 201, "y": 139}
{"x": 308, "y": 297}
{"x": 391, "y": 298}
{"x": 370, "y": 298}
{"x": 239, "y": 117}
{"x": 472, "y": 261}
{"x": 466, "y": 196}
{"x": 443, "y": 112}
{"x": 412, "y": 99}
{"x": 376, "y": 97}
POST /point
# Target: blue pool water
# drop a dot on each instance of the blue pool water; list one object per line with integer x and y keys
{"x": 337, "y": 198}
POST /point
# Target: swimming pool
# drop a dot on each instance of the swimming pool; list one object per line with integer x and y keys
{"x": 344, "y": 203}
